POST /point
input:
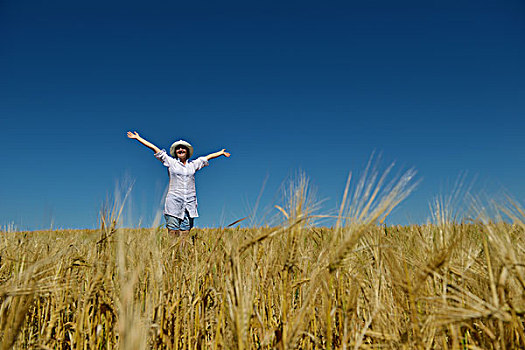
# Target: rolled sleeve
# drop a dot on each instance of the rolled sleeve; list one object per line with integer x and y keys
{"x": 200, "y": 163}
{"x": 163, "y": 157}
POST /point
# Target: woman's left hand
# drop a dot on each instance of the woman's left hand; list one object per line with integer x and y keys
{"x": 226, "y": 154}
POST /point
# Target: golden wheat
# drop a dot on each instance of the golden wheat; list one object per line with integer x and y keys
{"x": 361, "y": 284}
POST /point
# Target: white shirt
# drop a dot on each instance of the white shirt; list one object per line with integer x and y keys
{"x": 181, "y": 191}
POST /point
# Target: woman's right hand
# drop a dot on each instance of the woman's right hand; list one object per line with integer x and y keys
{"x": 133, "y": 135}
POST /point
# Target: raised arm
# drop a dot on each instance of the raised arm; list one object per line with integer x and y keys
{"x": 135, "y": 135}
{"x": 217, "y": 154}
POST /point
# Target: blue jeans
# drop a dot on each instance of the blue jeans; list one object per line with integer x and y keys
{"x": 173, "y": 223}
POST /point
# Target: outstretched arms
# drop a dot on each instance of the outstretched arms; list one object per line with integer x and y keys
{"x": 217, "y": 154}
{"x": 135, "y": 135}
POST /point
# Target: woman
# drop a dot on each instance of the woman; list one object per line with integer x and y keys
{"x": 180, "y": 207}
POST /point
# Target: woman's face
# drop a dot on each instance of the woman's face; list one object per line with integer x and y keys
{"x": 181, "y": 152}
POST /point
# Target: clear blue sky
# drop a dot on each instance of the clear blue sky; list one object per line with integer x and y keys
{"x": 315, "y": 86}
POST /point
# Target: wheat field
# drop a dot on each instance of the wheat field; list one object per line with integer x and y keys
{"x": 360, "y": 284}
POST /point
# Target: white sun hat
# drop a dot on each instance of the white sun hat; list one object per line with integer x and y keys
{"x": 181, "y": 143}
